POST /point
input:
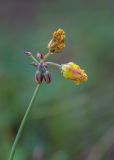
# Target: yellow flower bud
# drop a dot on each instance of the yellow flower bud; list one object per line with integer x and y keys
{"x": 73, "y": 72}
{"x": 57, "y": 44}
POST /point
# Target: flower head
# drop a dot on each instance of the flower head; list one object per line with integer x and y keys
{"x": 69, "y": 70}
{"x": 57, "y": 44}
{"x": 73, "y": 72}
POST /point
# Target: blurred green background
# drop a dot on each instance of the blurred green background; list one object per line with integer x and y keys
{"x": 67, "y": 122}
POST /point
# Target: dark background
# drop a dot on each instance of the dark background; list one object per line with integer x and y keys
{"x": 67, "y": 122}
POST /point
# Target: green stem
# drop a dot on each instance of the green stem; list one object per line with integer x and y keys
{"x": 54, "y": 64}
{"x": 34, "y": 59}
{"x": 23, "y": 123}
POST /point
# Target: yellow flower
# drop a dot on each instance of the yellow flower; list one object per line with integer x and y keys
{"x": 57, "y": 44}
{"x": 73, "y": 72}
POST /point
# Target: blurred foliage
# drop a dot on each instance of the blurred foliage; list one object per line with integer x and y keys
{"x": 67, "y": 121}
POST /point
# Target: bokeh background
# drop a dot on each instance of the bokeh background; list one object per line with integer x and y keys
{"x": 67, "y": 122}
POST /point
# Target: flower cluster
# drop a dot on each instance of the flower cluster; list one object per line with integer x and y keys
{"x": 69, "y": 70}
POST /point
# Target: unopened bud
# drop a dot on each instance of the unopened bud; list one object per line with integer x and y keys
{"x": 38, "y": 77}
{"x": 47, "y": 76}
{"x": 40, "y": 56}
{"x": 28, "y": 53}
{"x": 34, "y": 64}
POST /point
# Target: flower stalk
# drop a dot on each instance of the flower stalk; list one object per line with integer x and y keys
{"x": 11, "y": 157}
{"x": 70, "y": 71}
{"x": 54, "y": 64}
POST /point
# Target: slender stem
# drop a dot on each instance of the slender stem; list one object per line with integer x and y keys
{"x": 53, "y": 64}
{"x": 34, "y": 59}
{"x": 47, "y": 55}
{"x": 23, "y": 123}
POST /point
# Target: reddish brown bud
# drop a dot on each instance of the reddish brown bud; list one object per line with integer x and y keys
{"x": 47, "y": 77}
{"x": 40, "y": 56}
{"x": 38, "y": 77}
